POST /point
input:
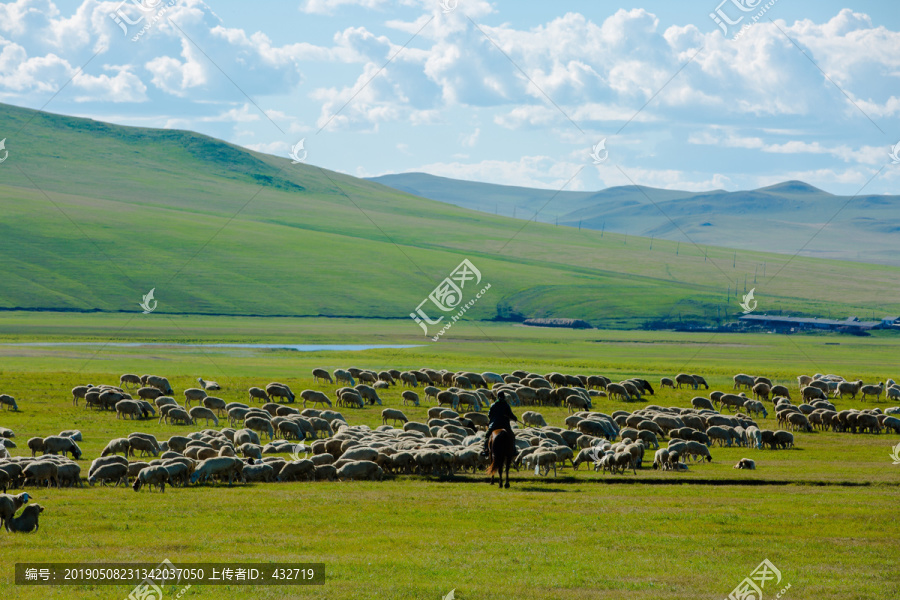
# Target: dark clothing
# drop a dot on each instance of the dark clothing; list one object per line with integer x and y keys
{"x": 500, "y": 417}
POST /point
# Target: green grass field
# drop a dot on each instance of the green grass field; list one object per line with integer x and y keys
{"x": 823, "y": 513}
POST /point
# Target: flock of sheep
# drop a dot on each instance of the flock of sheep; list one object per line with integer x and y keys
{"x": 449, "y": 442}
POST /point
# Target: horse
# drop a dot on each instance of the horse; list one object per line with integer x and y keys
{"x": 503, "y": 451}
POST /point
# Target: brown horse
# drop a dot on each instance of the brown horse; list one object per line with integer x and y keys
{"x": 503, "y": 451}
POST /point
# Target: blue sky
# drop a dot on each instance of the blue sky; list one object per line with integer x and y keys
{"x": 811, "y": 94}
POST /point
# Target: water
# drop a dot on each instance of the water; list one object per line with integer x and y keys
{"x": 298, "y": 347}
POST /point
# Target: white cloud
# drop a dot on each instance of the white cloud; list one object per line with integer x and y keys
{"x": 471, "y": 139}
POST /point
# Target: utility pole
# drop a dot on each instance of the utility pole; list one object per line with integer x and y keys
{"x": 734, "y": 260}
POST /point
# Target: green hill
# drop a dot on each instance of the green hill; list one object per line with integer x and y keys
{"x": 93, "y": 215}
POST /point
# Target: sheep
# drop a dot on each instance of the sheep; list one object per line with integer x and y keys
{"x": 160, "y": 383}
{"x": 533, "y": 419}
{"x": 260, "y": 424}
{"x": 448, "y": 397}
{"x": 69, "y": 475}
{"x": 193, "y": 394}
{"x": 315, "y": 397}
{"x": 340, "y": 375}
{"x": 697, "y": 450}
{"x": 394, "y": 415}
{"x": 661, "y": 459}
{"x": 755, "y": 406}
{"x": 27, "y": 522}
{"x": 368, "y": 394}
{"x": 761, "y": 391}
{"x": 258, "y": 472}
{"x": 323, "y": 375}
{"x": 127, "y": 378}
{"x": 117, "y": 445}
{"x": 201, "y": 412}
{"x": 541, "y": 458}
{"x": 218, "y": 466}
{"x": 78, "y": 392}
{"x": 150, "y": 476}
{"x": 211, "y": 386}
{"x": 350, "y": 397}
{"x": 784, "y": 439}
{"x": 744, "y": 380}
{"x": 298, "y": 470}
{"x": 64, "y": 445}
{"x": 145, "y": 445}
{"x": 36, "y": 444}
{"x": 685, "y": 379}
{"x": 576, "y": 402}
{"x": 891, "y": 423}
{"x": 128, "y": 407}
{"x": 745, "y": 463}
{"x": 867, "y": 390}
{"x": 259, "y": 393}
{"x": 9, "y": 504}
{"x": 9, "y": 401}
{"x": 701, "y": 403}
{"x": 111, "y": 472}
{"x": 616, "y": 390}
{"x": 799, "y": 420}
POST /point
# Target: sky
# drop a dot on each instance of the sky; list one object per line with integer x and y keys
{"x": 579, "y": 95}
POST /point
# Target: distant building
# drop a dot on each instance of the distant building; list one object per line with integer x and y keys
{"x": 850, "y": 324}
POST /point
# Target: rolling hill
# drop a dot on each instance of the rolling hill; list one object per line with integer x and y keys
{"x": 93, "y": 215}
{"x": 779, "y": 218}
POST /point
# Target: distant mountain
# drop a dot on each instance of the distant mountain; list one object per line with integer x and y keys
{"x": 787, "y": 218}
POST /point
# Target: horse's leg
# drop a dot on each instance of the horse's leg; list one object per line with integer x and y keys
{"x": 508, "y": 460}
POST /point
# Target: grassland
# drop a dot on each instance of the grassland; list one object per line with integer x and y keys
{"x": 93, "y": 215}
{"x": 823, "y": 512}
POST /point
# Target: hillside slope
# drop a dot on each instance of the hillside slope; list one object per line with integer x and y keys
{"x": 92, "y": 216}
{"x": 779, "y": 218}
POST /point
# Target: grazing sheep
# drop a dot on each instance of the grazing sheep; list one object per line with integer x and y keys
{"x": 280, "y": 390}
{"x": 761, "y": 391}
{"x": 394, "y": 415}
{"x": 128, "y": 408}
{"x": 219, "y": 466}
{"x": 112, "y": 472}
{"x": 258, "y": 393}
{"x": 150, "y": 476}
{"x": 261, "y": 425}
{"x": 745, "y": 463}
{"x": 685, "y": 379}
{"x": 315, "y": 397}
{"x": 27, "y": 522}
{"x": 701, "y": 403}
{"x": 298, "y": 470}
{"x": 7, "y": 400}
{"x": 143, "y": 444}
{"x": 57, "y": 444}
{"x": 780, "y": 390}
{"x": 410, "y": 396}
{"x": 211, "y": 386}
{"x": 533, "y": 419}
{"x": 342, "y": 376}
{"x": 160, "y": 383}
{"x": 117, "y": 445}
{"x": 321, "y": 374}
{"x": 193, "y": 394}
{"x": 201, "y": 412}
{"x": 666, "y": 382}
{"x": 127, "y": 378}
{"x": 258, "y": 472}
{"x": 744, "y": 380}
{"x": 360, "y": 470}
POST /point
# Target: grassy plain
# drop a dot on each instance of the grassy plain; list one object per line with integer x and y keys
{"x": 824, "y": 512}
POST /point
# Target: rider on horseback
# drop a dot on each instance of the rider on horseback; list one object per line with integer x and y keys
{"x": 499, "y": 416}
